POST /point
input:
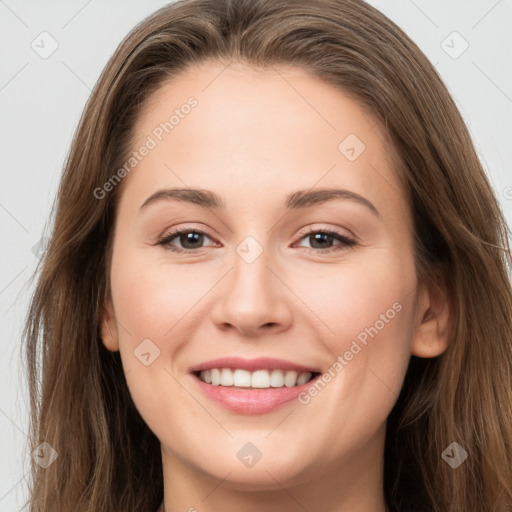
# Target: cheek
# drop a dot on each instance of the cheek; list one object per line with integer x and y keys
{"x": 152, "y": 297}
{"x": 155, "y": 301}
{"x": 354, "y": 297}
{"x": 367, "y": 314}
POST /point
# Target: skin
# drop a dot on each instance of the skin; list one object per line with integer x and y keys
{"x": 255, "y": 137}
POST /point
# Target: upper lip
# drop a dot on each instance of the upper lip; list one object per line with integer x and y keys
{"x": 260, "y": 363}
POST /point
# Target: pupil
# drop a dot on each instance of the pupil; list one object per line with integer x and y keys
{"x": 194, "y": 238}
{"x": 191, "y": 238}
{"x": 318, "y": 237}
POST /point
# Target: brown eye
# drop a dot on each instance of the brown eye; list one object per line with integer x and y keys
{"x": 189, "y": 239}
{"x": 323, "y": 240}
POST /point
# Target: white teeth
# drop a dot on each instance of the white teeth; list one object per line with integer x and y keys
{"x": 242, "y": 378}
{"x": 215, "y": 376}
{"x": 258, "y": 379}
{"x": 290, "y": 379}
{"x": 277, "y": 379}
{"x": 303, "y": 378}
{"x": 226, "y": 377}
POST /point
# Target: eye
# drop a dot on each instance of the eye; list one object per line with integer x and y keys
{"x": 324, "y": 238}
{"x": 190, "y": 240}
{"x": 193, "y": 239}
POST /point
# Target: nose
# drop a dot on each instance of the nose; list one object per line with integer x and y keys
{"x": 253, "y": 299}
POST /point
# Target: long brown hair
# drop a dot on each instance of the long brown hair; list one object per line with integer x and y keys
{"x": 108, "y": 459}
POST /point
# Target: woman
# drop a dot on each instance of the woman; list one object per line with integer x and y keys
{"x": 252, "y": 370}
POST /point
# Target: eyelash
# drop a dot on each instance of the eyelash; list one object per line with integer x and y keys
{"x": 345, "y": 241}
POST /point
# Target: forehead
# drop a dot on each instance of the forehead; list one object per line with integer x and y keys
{"x": 261, "y": 101}
{"x": 255, "y": 131}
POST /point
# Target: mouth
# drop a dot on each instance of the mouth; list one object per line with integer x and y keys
{"x": 258, "y": 379}
{"x": 256, "y": 386}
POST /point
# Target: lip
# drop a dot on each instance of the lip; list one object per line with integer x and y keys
{"x": 252, "y": 400}
{"x": 260, "y": 363}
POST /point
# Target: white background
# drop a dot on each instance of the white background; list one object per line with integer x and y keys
{"x": 41, "y": 101}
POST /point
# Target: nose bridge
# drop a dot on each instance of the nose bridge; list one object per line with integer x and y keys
{"x": 254, "y": 296}
{"x": 252, "y": 286}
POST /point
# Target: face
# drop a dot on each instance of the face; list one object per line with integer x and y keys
{"x": 282, "y": 281}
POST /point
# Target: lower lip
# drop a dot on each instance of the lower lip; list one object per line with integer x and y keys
{"x": 252, "y": 400}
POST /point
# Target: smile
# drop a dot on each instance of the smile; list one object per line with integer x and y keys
{"x": 253, "y": 386}
{"x": 260, "y": 379}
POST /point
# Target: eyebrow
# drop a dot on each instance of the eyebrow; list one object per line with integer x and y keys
{"x": 294, "y": 201}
